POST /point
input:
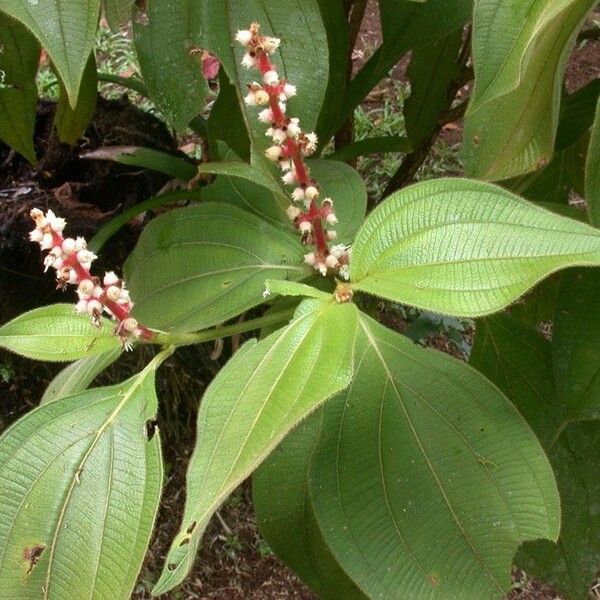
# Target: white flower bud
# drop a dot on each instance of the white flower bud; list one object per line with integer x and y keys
{"x": 57, "y": 224}
{"x": 322, "y": 268}
{"x": 305, "y": 226}
{"x": 85, "y": 258}
{"x": 298, "y": 194}
{"x": 331, "y": 218}
{"x": 273, "y": 153}
{"x": 331, "y": 261}
{"x": 311, "y": 193}
{"x": 47, "y": 241}
{"x": 285, "y": 165}
{"x": 86, "y": 287}
{"x": 81, "y": 307}
{"x": 271, "y": 44}
{"x": 73, "y": 277}
{"x": 36, "y": 235}
{"x": 278, "y": 135}
{"x": 124, "y": 297}
{"x": 289, "y": 90}
{"x": 310, "y": 259}
{"x": 110, "y": 278}
{"x": 98, "y": 291}
{"x": 338, "y": 250}
{"x": 271, "y": 78}
{"x": 266, "y": 115}
{"x": 80, "y": 243}
{"x": 130, "y": 324}
{"x": 289, "y": 178}
{"x": 248, "y": 61}
{"x": 94, "y": 308}
{"x": 250, "y": 99}
{"x": 68, "y": 246}
{"x": 113, "y": 292}
{"x": 331, "y": 234}
{"x": 261, "y": 97}
{"x": 243, "y": 36}
{"x": 38, "y": 216}
{"x": 293, "y": 212}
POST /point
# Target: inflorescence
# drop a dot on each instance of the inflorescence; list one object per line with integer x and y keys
{"x": 72, "y": 261}
{"x": 314, "y": 218}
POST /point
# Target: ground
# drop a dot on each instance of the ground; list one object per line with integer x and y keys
{"x": 234, "y": 562}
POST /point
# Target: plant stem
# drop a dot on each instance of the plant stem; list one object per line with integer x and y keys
{"x": 208, "y": 335}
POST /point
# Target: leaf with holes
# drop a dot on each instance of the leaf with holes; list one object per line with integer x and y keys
{"x": 65, "y": 28}
{"x": 80, "y": 481}
{"x": 56, "y": 333}
{"x": 264, "y": 391}
{"x": 198, "y": 266}
{"x": 464, "y": 247}
{"x": 520, "y": 50}
{"x": 402, "y": 451}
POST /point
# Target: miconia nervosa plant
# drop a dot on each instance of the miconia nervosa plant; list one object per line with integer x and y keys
{"x": 379, "y": 468}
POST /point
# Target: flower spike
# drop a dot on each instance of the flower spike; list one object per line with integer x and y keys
{"x": 72, "y": 261}
{"x": 290, "y": 146}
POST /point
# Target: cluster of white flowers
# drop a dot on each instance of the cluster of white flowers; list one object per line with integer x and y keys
{"x": 72, "y": 261}
{"x": 290, "y": 146}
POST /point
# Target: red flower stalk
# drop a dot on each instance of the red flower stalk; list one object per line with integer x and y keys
{"x": 72, "y": 261}
{"x": 291, "y": 146}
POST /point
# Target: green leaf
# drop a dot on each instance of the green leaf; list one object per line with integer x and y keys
{"x": 402, "y": 453}
{"x": 293, "y": 288}
{"x": 403, "y": 25}
{"x": 431, "y": 71}
{"x": 576, "y": 343}
{"x": 286, "y": 518}
{"x": 71, "y": 123}
{"x": 592, "y": 172}
{"x": 118, "y": 12}
{"x": 65, "y": 28}
{"x": 240, "y": 185}
{"x": 18, "y": 92}
{"x": 520, "y": 50}
{"x": 56, "y": 333}
{"x": 518, "y": 360}
{"x": 198, "y": 266}
{"x": 577, "y": 114}
{"x": 165, "y": 41}
{"x": 463, "y": 247}
{"x": 78, "y": 376}
{"x": 571, "y": 566}
{"x": 255, "y": 400}
{"x": 147, "y": 158}
{"x": 374, "y": 145}
{"x": 80, "y": 485}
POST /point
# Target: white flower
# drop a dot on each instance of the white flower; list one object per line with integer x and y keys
{"x": 289, "y": 90}
{"x": 85, "y": 258}
{"x": 285, "y": 165}
{"x": 248, "y": 61}
{"x": 110, "y": 278}
{"x": 293, "y": 212}
{"x": 81, "y": 307}
{"x": 271, "y": 78}
{"x": 130, "y": 324}
{"x": 293, "y": 128}
{"x": 331, "y": 234}
{"x": 344, "y": 272}
{"x": 289, "y": 178}
{"x": 338, "y": 250}
{"x": 331, "y": 261}
{"x": 98, "y": 291}
{"x": 310, "y": 259}
{"x": 271, "y": 44}
{"x": 94, "y": 308}
{"x": 47, "y": 241}
{"x": 250, "y": 99}
{"x": 80, "y": 243}
{"x": 298, "y": 194}
{"x": 322, "y": 268}
{"x": 57, "y": 224}
{"x": 266, "y": 115}
{"x": 113, "y": 292}
{"x": 305, "y": 226}
{"x": 86, "y": 288}
{"x": 68, "y": 246}
{"x": 261, "y": 97}
{"x": 38, "y": 216}
{"x": 278, "y": 135}
{"x": 311, "y": 193}
{"x": 331, "y": 218}
{"x": 243, "y": 36}
{"x": 36, "y": 235}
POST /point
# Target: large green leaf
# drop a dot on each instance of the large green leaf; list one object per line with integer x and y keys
{"x": 576, "y": 343}
{"x": 56, "y": 333}
{"x": 71, "y": 122}
{"x": 201, "y": 265}
{"x": 592, "y": 172}
{"x": 405, "y": 25}
{"x": 464, "y": 247}
{"x": 518, "y": 360}
{"x": 571, "y": 565}
{"x": 117, "y": 12}
{"x": 520, "y": 50}
{"x": 426, "y": 479}
{"x": 78, "y": 376}
{"x": 65, "y": 28}
{"x": 165, "y": 42}
{"x": 259, "y": 396}
{"x": 431, "y": 71}
{"x": 577, "y": 114}
{"x": 80, "y": 482}
{"x": 286, "y": 518}
{"x": 18, "y": 93}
